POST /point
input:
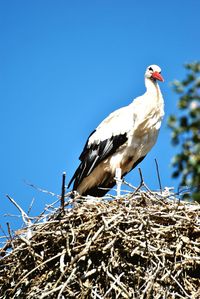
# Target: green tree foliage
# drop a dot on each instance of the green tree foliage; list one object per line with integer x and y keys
{"x": 186, "y": 130}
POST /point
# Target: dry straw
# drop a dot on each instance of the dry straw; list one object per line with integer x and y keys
{"x": 143, "y": 245}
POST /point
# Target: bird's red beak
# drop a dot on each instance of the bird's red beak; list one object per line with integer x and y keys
{"x": 157, "y": 76}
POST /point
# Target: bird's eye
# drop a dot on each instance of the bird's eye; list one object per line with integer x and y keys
{"x": 150, "y": 69}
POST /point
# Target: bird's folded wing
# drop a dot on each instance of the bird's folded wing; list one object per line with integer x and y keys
{"x": 103, "y": 142}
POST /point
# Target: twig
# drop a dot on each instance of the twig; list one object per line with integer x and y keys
{"x": 142, "y": 183}
{"x": 51, "y": 292}
{"x": 94, "y": 293}
{"x": 141, "y": 177}
{"x": 25, "y": 217}
{"x": 158, "y": 175}
{"x": 118, "y": 283}
{"x": 62, "y": 199}
{"x": 128, "y": 184}
{"x": 42, "y": 190}
{"x": 62, "y": 263}
{"x": 9, "y": 232}
{"x": 143, "y": 246}
{"x": 66, "y": 283}
{"x": 1, "y": 228}
{"x": 31, "y": 205}
{"x": 3, "y": 250}
{"x": 115, "y": 281}
{"x": 34, "y": 269}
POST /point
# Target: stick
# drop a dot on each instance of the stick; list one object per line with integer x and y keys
{"x": 25, "y": 217}
{"x": 34, "y": 269}
{"x": 31, "y": 205}
{"x": 62, "y": 199}
{"x": 142, "y": 183}
{"x": 141, "y": 177}
{"x": 118, "y": 174}
{"x": 42, "y": 190}
{"x": 158, "y": 174}
{"x": 9, "y": 231}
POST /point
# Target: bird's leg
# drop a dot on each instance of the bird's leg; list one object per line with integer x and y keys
{"x": 118, "y": 175}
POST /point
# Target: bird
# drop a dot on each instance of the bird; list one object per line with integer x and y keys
{"x": 121, "y": 141}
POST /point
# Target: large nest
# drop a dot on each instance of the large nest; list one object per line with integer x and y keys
{"x": 144, "y": 245}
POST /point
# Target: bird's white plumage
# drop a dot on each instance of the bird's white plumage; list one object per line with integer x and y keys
{"x": 150, "y": 105}
{"x": 139, "y": 122}
{"x": 113, "y": 125}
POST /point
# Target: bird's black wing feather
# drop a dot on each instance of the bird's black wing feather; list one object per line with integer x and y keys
{"x": 92, "y": 155}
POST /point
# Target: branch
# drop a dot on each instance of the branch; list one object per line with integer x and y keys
{"x": 158, "y": 174}
{"x": 62, "y": 199}
{"x": 25, "y": 217}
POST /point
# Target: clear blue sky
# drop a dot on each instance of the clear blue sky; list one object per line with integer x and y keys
{"x": 64, "y": 66}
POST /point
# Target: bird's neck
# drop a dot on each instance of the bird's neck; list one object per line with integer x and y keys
{"x": 152, "y": 88}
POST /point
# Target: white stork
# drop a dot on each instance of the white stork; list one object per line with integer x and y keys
{"x": 121, "y": 141}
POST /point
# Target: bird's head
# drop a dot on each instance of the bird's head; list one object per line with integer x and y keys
{"x": 153, "y": 72}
